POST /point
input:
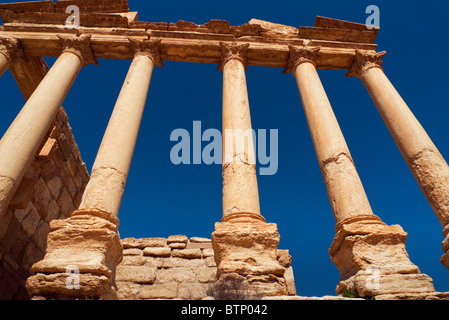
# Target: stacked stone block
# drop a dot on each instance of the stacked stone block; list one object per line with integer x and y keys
{"x": 173, "y": 268}
{"x": 51, "y": 189}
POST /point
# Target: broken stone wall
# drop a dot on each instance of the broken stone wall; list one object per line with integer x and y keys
{"x": 51, "y": 189}
{"x": 173, "y": 268}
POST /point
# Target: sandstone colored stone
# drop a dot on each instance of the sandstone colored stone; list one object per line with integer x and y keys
{"x": 179, "y": 275}
{"x": 192, "y": 291}
{"x": 133, "y": 260}
{"x": 30, "y": 222}
{"x": 177, "y": 245}
{"x": 199, "y": 245}
{"x": 138, "y": 274}
{"x": 177, "y": 238}
{"x": 132, "y": 252}
{"x": 207, "y": 274}
{"x": 157, "y": 252}
{"x": 54, "y": 186}
{"x": 128, "y": 290}
{"x": 159, "y": 291}
{"x": 200, "y": 240}
{"x": 208, "y": 252}
{"x": 210, "y": 262}
{"x": 143, "y": 242}
{"x": 180, "y": 262}
{"x": 187, "y": 253}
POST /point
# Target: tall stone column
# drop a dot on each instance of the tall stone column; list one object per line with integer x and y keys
{"x": 88, "y": 242}
{"x": 243, "y": 242}
{"x": 23, "y": 138}
{"x": 10, "y": 51}
{"x": 423, "y": 158}
{"x": 370, "y": 255}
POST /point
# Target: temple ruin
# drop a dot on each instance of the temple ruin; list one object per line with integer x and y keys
{"x": 54, "y": 215}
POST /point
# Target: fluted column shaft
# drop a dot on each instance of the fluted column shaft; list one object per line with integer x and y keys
{"x": 240, "y": 190}
{"x": 23, "y": 138}
{"x": 421, "y": 155}
{"x": 110, "y": 170}
{"x": 344, "y": 187}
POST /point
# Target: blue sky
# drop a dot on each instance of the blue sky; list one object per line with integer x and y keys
{"x": 162, "y": 199}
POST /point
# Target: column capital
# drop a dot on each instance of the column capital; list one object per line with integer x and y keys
{"x": 300, "y": 55}
{"x": 79, "y": 46}
{"x": 11, "y": 49}
{"x": 365, "y": 60}
{"x": 231, "y": 51}
{"x": 149, "y": 48}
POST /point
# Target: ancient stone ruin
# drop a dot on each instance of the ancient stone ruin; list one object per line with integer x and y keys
{"x": 58, "y": 224}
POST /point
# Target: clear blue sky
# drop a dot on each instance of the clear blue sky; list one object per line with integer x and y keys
{"x": 162, "y": 199}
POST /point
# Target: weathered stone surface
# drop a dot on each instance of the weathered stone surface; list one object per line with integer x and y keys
{"x": 128, "y": 290}
{"x": 207, "y": 274}
{"x": 177, "y": 245}
{"x": 187, "y": 253}
{"x": 177, "y": 238}
{"x": 143, "y": 242}
{"x": 132, "y": 252}
{"x": 133, "y": 260}
{"x": 138, "y": 274}
{"x": 180, "y": 262}
{"x": 159, "y": 291}
{"x": 200, "y": 240}
{"x": 180, "y": 275}
{"x": 372, "y": 260}
{"x": 192, "y": 291}
{"x": 157, "y": 252}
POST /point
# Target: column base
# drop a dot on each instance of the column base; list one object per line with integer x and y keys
{"x": 250, "y": 250}
{"x": 372, "y": 261}
{"x": 82, "y": 254}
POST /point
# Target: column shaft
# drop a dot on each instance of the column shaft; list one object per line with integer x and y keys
{"x": 240, "y": 190}
{"x": 243, "y": 242}
{"x": 421, "y": 155}
{"x": 92, "y": 230}
{"x": 362, "y": 240}
{"x": 3, "y": 64}
{"x": 110, "y": 170}
{"x": 345, "y": 190}
{"x": 23, "y": 138}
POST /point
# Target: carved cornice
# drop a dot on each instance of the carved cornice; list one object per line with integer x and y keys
{"x": 79, "y": 46}
{"x": 11, "y": 49}
{"x": 363, "y": 61}
{"x": 300, "y": 55}
{"x": 149, "y": 48}
{"x": 231, "y": 51}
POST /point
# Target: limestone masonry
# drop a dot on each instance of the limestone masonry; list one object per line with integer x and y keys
{"x": 59, "y": 225}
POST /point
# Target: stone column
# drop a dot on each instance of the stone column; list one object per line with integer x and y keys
{"x": 89, "y": 241}
{"x": 364, "y": 248}
{"x": 23, "y": 138}
{"x": 423, "y": 158}
{"x": 243, "y": 242}
{"x": 10, "y": 51}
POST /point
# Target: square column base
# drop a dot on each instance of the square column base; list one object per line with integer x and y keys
{"x": 372, "y": 261}
{"x": 249, "y": 249}
{"x": 82, "y": 254}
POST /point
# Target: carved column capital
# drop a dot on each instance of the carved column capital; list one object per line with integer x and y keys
{"x": 363, "y": 61}
{"x": 149, "y": 48}
{"x": 231, "y": 51}
{"x": 300, "y": 55}
{"x": 11, "y": 49}
{"x": 79, "y": 46}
